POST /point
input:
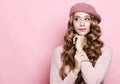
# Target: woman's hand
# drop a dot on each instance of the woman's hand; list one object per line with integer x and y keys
{"x": 79, "y": 42}
{"x": 80, "y": 56}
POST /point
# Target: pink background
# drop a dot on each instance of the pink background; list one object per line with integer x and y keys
{"x": 31, "y": 29}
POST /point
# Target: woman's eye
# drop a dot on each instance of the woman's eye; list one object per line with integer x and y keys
{"x": 76, "y": 19}
{"x": 87, "y": 19}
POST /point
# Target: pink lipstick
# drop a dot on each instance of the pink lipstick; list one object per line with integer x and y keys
{"x": 82, "y": 29}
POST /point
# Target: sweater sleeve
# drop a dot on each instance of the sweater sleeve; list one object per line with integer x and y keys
{"x": 55, "y": 77}
{"x": 95, "y": 75}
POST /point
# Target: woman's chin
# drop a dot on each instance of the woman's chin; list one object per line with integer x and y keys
{"x": 81, "y": 34}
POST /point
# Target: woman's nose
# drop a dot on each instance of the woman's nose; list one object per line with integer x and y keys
{"x": 82, "y": 23}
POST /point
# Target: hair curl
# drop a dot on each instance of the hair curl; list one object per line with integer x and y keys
{"x": 92, "y": 48}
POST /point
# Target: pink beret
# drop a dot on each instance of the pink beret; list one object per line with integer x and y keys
{"x": 83, "y": 7}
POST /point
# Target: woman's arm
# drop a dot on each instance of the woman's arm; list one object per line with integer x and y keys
{"x": 55, "y": 77}
{"x": 95, "y": 75}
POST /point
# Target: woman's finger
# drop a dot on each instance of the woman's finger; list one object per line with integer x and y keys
{"x": 74, "y": 39}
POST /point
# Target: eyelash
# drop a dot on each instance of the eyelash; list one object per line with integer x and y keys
{"x": 87, "y": 19}
{"x": 76, "y": 19}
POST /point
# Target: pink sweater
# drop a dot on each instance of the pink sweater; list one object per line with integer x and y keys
{"x": 91, "y": 75}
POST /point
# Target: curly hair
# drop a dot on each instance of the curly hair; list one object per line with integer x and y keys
{"x": 92, "y": 48}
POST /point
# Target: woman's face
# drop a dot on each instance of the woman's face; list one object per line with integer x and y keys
{"x": 81, "y": 23}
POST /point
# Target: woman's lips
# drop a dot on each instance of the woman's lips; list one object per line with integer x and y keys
{"x": 82, "y": 29}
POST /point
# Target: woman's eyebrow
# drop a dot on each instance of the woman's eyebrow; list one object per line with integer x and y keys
{"x": 76, "y": 16}
{"x": 87, "y": 16}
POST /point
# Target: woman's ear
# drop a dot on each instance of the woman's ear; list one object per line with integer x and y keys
{"x": 71, "y": 19}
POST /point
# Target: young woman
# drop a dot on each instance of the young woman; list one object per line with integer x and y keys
{"x": 83, "y": 59}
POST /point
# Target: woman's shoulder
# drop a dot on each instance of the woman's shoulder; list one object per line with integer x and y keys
{"x": 57, "y": 54}
{"x": 59, "y": 49}
{"x": 106, "y": 48}
{"x": 107, "y": 52}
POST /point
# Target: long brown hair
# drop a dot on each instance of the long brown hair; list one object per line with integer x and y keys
{"x": 92, "y": 48}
